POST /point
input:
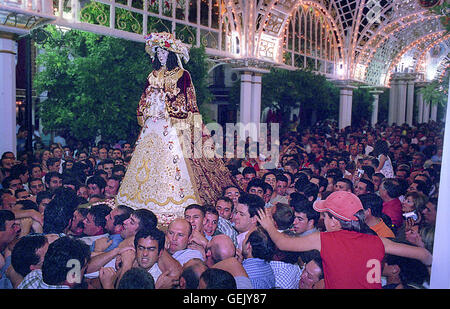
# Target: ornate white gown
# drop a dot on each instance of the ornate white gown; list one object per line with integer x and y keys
{"x": 159, "y": 176}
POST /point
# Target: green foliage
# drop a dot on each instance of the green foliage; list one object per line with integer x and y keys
{"x": 198, "y": 68}
{"x": 301, "y": 88}
{"x": 93, "y": 83}
{"x": 444, "y": 11}
{"x": 383, "y": 106}
{"x": 436, "y": 92}
{"x": 362, "y": 105}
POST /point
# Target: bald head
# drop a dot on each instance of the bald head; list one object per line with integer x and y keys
{"x": 192, "y": 270}
{"x": 178, "y": 234}
{"x": 219, "y": 248}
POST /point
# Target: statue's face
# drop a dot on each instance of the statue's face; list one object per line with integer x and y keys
{"x": 162, "y": 55}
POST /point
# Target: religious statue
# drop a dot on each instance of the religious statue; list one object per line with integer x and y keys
{"x": 162, "y": 176}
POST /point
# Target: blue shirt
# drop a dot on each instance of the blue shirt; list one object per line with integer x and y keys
{"x": 260, "y": 273}
{"x": 116, "y": 240}
{"x": 5, "y": 283}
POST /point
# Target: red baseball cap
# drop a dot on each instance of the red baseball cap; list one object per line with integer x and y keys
{"x": 342, "y": 204}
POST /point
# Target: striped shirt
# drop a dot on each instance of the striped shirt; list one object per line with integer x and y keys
{"x": 34, "y": 281}
{"x": 260, "y": 273}
{"x": 226, "y": 227}
{"x": 287, "y": 275}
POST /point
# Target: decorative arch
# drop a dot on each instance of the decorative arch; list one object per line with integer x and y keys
{"x": 311, "y": 37}
{"x": 425, "y": 41}
{"x": 422, "y": 58}
{"x": 383, "y": 35}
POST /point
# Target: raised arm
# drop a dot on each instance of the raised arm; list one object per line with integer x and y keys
{"x": 167, "y": 263}
{"x": 285, "y": 242}
{"x": 408, "y": 251}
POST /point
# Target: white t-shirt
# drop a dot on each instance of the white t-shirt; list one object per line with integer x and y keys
{"x": 183, "y": 256}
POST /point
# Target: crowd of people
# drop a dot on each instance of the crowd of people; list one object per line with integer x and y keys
{"x": 337, "y": 203}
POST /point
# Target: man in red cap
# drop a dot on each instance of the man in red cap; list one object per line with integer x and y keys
{"x": 352, "y": 253}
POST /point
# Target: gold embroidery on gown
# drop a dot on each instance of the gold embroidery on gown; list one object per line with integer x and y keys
{"x": 159, "y": 177}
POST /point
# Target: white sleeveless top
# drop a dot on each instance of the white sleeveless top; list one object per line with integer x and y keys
{"x": 387, "y": 170}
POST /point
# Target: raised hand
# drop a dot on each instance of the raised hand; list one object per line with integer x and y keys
{"x": 107, "y": 277}
{"x": 265, "y": 219}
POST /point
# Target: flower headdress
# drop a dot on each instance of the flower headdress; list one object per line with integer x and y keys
{"x": 167, "y": 41}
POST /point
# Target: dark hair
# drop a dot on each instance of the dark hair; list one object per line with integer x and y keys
{"x": 18, "y": 169}
{"x": 266, "y": 187}
{"x": 97, "y": 180}
{"x": 56, "y": 262}
{"x": 392, "y": 186}
{"x": 16, "y": 193}
{"x": 6, "y": 182}
{"x": 125, "y": 214}
{"x": 422, "y": 186}
{"x": 154, "y": 234}
{"x": 268, "y": 173}
{"x": 255, "y": 182}
{"x": 136, "y": 278}
{"x": 69, "y": 180}
{"x": 30, "y": 180}
{"x": 59, "y": 211}
{"x": 211, "y": 209}
{"x": 50, "y": 175}
{"x": 118, "y": 168}
{"x": 323, "y": 182}
{"x": 370, "y": 187}
{"x": 262, "y": 245}
{"x": 99, "y": 213}
{"x": 381, "y": 147}
{"x": 5, "y": 215}
{"x": 253, "y": 203}
{"x": 347, "y": 181}
{"x": 51, "y": 161}
{"x": 281, "y": 177}
{"x": 373, "y": 202}
{"x": 225, "y": 199}
{"x": 368, "y": 170}
{"x": 310, "y": 190}
{"x": 293, "y": 164}
{"x": 218, "y": 279}
{"x": 195, "y": 206}
{"x": 107, "y": 161}
{"x": 302, "y": 205}
{"x": 313, "y": 255}
{"x": 28, "y": 204}
{"x": 355, "y": 225}
{"x": 24, "y": 253}
{"x": 191, "y": 276}
{"x": 172, "y": 61}
{"x": 147, "y": 219}
{"x": 248, "y": 170}
{"x": 231, "y": 186}
{"x": 412, "y": 271}
{"x": 283, "y": 216}
{"x": 335, "y": 172}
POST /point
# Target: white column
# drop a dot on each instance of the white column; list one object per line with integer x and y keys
{"x": 426, "y": 112}
{"x": 392, "y": 116}
{"x": 256, "y": 99}
{"x": 433, "y": 115}
{"x": 345, "y": 107}
{"x": 8, "y": 50}
{"x": 420, "y": 107}
{"x": 410, "y": 103}
{"x": 376, "y": 99}
{"x": 401, "y": 111}
{"x": 440, "y": 270}
{"x": 246, "y": 97}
